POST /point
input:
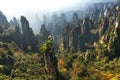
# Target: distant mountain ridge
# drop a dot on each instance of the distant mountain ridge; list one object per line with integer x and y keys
{"x": 69, "y": 32}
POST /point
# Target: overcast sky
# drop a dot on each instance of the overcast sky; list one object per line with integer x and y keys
{"x": 15, "y": 7}
{"x": 20, "y": 7}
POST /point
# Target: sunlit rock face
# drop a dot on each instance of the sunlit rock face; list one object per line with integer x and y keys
{"x": 109, "y": 18}
{"x": 86, "y": 25}
{"x": 104, "y": 25}
{"x": 78, "y": 35}
{"x": 109, "y": 31}
{"x": 91, "y": 17}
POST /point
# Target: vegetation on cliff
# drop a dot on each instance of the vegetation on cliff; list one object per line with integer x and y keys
{"x": 82, "y": 49}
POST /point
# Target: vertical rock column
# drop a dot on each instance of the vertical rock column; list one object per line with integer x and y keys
{"x": 50, "y": 60}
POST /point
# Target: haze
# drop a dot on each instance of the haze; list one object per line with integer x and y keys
{"x": 37, "y": 8}
{"x": 20, "y": 7}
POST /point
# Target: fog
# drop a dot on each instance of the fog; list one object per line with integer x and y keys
{"x": 20, "y": 7}
{"x": 34, "y": 10}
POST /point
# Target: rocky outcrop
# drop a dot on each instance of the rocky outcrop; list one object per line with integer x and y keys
{"x": 43, "y": 35}
{"x": 82, "y": 33}
{"x": 66, "y": 35}
{"x": 3, "y": 19}
{"x": 110, "y": 32}
{"x": 14, "y": 22}
{"x": 104, "y": 25}
{"x": 23, "y": 36}
{"x": 63, "y": 18}
{"x": 29, "y": 42}
{"x": 50, "y": 59}
{"x": 87, "y": 24}
{"x": 77, "y": 36}
{"x": 75, "y": 17}
{"x": 95, "y": 14}
{"x": 3, "y": 22}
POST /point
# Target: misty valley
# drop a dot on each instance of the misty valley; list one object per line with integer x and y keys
{"x": 81, "y": 44}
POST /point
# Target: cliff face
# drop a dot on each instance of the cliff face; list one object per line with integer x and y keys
{"x": 3, "y": 19}
{"x": 3, "y": 22}
{"x": 43, "y": 35}
{"x": 79, "y": 35}
{"x": 29, "y": 42}
{"x": 22, "y": 35}
{"x": 14, "y": 22}
{"x": 76, "y": 35}
{"x": 110, "y": 30}
{"x": 90, "y": 45}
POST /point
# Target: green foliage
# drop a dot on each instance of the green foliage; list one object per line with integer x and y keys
{"x": 1, "y": 78}
{"x": 82, "y": 72}
{"x": 46, "y": 46}
{"x": 117, "y": 77}
{"x": 92, "y": 51}
{"x": 43, "y": 48}
{"x": 6, "y": 61}
{"x": 64, "y": 76}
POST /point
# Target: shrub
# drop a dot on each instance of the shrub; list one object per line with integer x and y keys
{"x": 1, "y": 77}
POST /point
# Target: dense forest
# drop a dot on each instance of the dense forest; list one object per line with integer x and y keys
{"x": 76, "y": 45}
